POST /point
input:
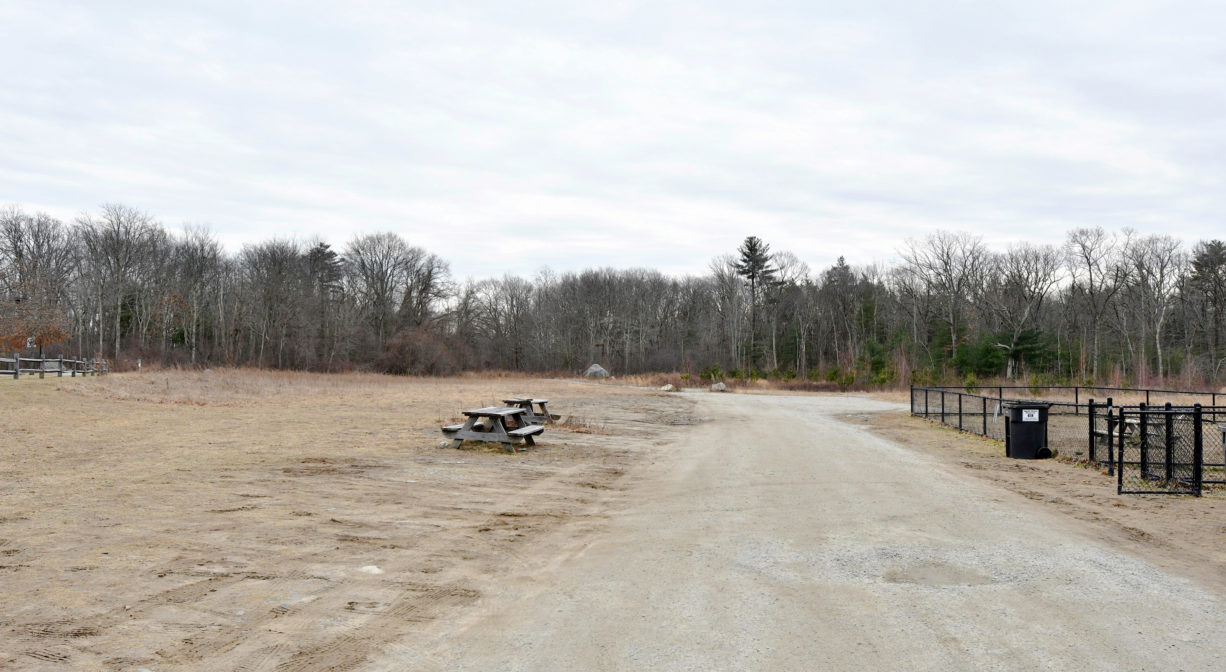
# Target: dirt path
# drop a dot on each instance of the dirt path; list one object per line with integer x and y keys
{"x": 775, "y": 540}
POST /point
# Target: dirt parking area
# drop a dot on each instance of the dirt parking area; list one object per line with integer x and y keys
{"x": 237, "y": 520}
{"x": 1182, "y": 534}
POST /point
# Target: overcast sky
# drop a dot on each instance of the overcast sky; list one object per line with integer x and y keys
{"x": 508, "y": 136}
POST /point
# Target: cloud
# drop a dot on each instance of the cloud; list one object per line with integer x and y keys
{"x": 626, "y": 134}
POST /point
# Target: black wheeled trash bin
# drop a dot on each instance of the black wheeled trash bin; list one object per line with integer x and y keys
{"x": 1026, "y": 431}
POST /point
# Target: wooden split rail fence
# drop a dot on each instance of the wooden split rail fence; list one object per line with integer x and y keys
{"x": 18, "y": 366}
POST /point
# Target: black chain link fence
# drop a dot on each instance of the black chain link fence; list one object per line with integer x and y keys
{"x": 1213, "y": 435}
{"x": 1160, "y": 450}
{"x": 1101, "y": 447}
{"x": 985, "y": 415}
{"x": 1149, "y": 449}
{"x": 975, "y": 413}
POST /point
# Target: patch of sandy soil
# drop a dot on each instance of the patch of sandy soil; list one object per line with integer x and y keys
{"x": 238, "y": 520}
{"x": 1184, "y": 535}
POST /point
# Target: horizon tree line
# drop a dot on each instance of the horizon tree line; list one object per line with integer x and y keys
{"x": 1100, "y": 306}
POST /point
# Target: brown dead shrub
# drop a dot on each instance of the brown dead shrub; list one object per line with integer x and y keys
{"x": 417, "y": 352}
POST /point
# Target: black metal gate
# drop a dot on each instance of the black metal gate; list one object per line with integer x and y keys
{"x": 1102, "y": 421}
{"x": 1158, "y": 450}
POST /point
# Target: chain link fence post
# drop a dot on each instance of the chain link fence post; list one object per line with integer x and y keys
{"x": 1198, "y": 449}
{"x": 1090, "y": 413}
{"x": 1170, "y": 439}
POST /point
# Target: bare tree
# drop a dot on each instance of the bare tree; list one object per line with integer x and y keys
{"x": 840, "y": 295}
{"x": 276, "y": 285}
{"x": 116, "y": 245}
{"x": 1096, "y": 275}
{"x": 730, "y": 307}
{"x": 780, "y": 294}
{"x": 1208, "y": 279}
{"x": 376, "y": 266}
{"x": 951, "y": 265}
{"x": 37, "y": 260}
{"x": 1017, "y": 283}
{"x": 427, "y": 282}
{"x": 1158, "y": 264}
{"x": 197, "y": 259}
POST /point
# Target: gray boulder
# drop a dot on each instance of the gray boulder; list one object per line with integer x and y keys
{"x": 669, "y": 388}
{"x": 596, "y": 371}
{"x": 719, "y": 387}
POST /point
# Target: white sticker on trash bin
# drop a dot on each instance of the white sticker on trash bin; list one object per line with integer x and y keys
{"x": 1030, "y": 415}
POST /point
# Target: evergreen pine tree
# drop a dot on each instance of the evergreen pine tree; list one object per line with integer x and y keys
{"x": 755, "y": 266}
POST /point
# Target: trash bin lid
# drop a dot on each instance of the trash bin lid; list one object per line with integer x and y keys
{"x": 1028, "y": 404}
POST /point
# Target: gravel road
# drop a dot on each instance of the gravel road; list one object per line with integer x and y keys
{"x": 775, "y": 537}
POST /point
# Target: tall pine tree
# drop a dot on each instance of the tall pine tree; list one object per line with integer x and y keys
{"x": 755, "y": 266}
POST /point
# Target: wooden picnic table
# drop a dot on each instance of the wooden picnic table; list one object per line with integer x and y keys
{"x": 537, "y": 409}
{"x": 504, "y": 424}
{"x": 1155, "y": 430}
{"x": 1126, "y": 429}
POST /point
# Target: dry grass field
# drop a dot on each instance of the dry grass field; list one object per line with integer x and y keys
{"x": 240, "y": 520}
{"x": 244, "y": 520}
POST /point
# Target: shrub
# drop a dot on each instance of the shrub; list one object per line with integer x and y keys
{"x": 417, "y": 352}
{"x": 970, "y": 382}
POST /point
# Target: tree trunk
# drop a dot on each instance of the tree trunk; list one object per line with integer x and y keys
{"x": 118, "y": 310}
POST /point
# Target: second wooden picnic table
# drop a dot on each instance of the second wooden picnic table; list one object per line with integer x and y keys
{"x": 537, "y": 411}
{"x": 503, "y": 424}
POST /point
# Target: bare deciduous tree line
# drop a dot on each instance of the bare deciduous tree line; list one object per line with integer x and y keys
{"x": 1098, "y": 306}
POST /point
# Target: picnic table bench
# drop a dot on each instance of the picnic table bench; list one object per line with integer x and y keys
{"x": 537, "y": 410}
{"x": 504, "y": 424}
{"x": 1126, "y": 429}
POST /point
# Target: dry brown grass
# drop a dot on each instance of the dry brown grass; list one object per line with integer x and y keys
{"x": 148, "y": 509}
{"x": 681, "y": 380}
{"x": 897, "y": 396}
{"x": 654, "y": 380}
{"x": 581, "y": 425}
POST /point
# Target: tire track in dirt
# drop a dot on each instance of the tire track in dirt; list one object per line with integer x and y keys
{"x": 202, "y": 643}
{"x": 512, "y": 516}
{"x": 352, "y": 649}
{"x": 209, "y": 644}
{"x": 266, "y": 659}
{"x": 95, "y": 626}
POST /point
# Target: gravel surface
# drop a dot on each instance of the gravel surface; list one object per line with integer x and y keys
{"x": 774, "y": 537}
